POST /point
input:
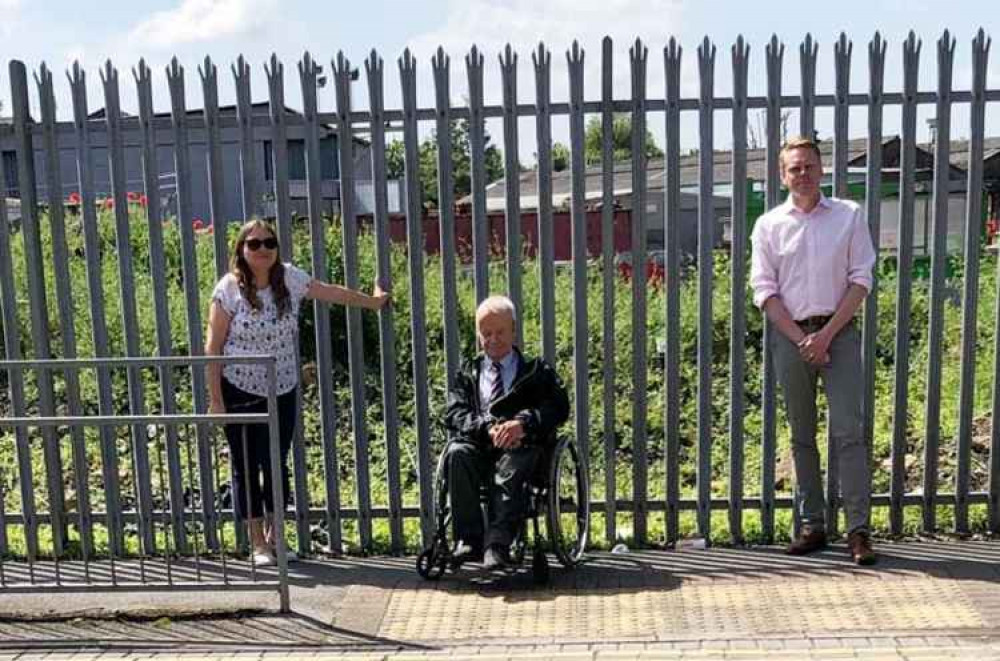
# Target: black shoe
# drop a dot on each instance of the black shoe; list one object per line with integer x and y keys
{"x": 495, "y": 558}
{"x": 465, "y": 552}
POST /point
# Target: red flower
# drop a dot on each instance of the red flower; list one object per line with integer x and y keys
{"x": 133, "y": 196}
{"x": 197, "y": 224}
{"x": 655, "y": 274}
{"x": 625, "y": 270}
{"x": 74, "y": 198}
{"x": 109, "y": 203}
{"x": 142, "y": 200}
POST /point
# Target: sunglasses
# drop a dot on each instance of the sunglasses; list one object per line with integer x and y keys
{"x": 255, "y": 244}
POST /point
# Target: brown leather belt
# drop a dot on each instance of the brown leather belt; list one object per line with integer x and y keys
{"x": 813, "y": 324}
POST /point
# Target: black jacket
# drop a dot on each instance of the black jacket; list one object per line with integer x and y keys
{"x": 537, "y": 398}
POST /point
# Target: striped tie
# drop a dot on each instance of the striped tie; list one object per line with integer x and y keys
{"x": 497, "y": 391}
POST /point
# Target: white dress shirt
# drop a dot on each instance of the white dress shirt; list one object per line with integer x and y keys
{"x": 809, "y": 259}
{"x": 488, "y": 376}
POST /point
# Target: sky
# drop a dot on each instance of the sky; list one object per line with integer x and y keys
{"x": 59, "y": 32}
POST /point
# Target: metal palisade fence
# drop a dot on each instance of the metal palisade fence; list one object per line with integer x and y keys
{"x": 387, "y": 480}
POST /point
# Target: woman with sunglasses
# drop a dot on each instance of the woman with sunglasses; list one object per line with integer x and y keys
{"x": 254, "y": 311}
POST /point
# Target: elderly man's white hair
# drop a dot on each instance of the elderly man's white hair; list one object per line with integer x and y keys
{"x": 496, "y": 305}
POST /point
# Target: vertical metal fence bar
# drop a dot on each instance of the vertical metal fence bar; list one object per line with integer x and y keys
{"x": 64, "y": 294}
{"x": 15, "y": 382}
{"x": 279, "y": 151}
{"x": 440, "y": 64}
{"x": 637, "y": 60}
{"x": 904, "y": 266}
{"x": 512, "y": 188}
{"x": 355, "y": 337}
{"x": 383, "y": 264}
{"x": 34, "y": 267}
{"x": 542, "y": 59}
{"x": 873, "y": 211}
{"x": 994, "y": 471}
{"x": 608, "y": 290}
{"x": 671, "y": 237}
{"x": 250, "y": 203}
{"x": 418, "y": 315}
{"x": 277, "y": 484}
{"x": 282, "y": 205}
{"x": 774, "y": 52}
{"x": 168, "y": 547}
{"x": 8, "y": 320}
{"x": 157, "y": 268}
{"x": 209, "y": 75}
{"x": 706, "y": 243}
{"x": 248, "y": 158}
{"x": 193, "y": 502}
{"x": 970, "y": 294}
{"x": 126, "y": 283}
{"x": 578, "y": 219}
{"x": 738, "y": 286}
{"x": 939, "y": 257}
{"x": 477, "y": 152}
{"x": 95, "y": 287}
{"x": 308, "y": 74}
{"x": 808, "y": 51}
{"x": 842, "y": 67}
{"x": 189, "y": 264}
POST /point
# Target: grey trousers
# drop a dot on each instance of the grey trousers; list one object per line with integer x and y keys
{"x": 472, "y": 467}
{"x": 842, "y": 381}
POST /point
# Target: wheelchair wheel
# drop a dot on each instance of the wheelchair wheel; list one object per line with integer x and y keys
{"x": 432, "y": 562}
{"x": 568, "y": 505}
{"x": 436, "y": 558}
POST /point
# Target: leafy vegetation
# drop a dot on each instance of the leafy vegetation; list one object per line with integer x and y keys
{"x": 341, "y": 440}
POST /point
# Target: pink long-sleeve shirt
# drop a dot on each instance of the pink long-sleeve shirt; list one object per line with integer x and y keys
{"x": 810, "y": 259}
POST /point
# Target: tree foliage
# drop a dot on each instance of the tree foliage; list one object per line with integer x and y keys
{"x": 461, "y": 161}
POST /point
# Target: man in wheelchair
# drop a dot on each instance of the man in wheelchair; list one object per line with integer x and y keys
{"x": 503, "y": 412}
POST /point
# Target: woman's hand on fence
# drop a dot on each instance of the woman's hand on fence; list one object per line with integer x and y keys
{"x": 379, "y": 298}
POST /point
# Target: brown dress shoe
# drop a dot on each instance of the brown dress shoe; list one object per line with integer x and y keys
{"x": 807, "y": 542}
{"x": 860, "y": 545}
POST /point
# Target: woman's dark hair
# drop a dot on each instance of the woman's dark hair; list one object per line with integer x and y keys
{"x": 244, "y": 276}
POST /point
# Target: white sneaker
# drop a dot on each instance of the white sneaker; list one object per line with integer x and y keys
{"x": 264, "y": 560}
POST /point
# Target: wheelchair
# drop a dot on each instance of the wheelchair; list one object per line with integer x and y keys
{"x": 558, "y": 491}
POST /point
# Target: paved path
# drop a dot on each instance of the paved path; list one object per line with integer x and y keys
{"x": 923, "y": 600}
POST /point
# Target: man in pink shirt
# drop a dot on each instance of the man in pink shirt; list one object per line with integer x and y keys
{"x": 811, "y": 268}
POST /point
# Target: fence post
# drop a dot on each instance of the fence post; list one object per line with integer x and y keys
{"x": 477, "y": 154}
{"x": 355, "y": 337}
{"x": 418, "y": 314}
{"x": 637, "y": 59}
{"x": 578, "y": 219}
{"x": 970, "y": 295}
{"x": 939, "y": 258}
{"x": 873, "y": 211}
{"x": 706, "y": 272}
{"x": 904, "y": 267}
{"x": 608, "y": 289}
{"x": 774, "y": 52}
{"x": 737, "y": 301}
{"x": 671, "y": 237}
{"x": 386, "y": 328}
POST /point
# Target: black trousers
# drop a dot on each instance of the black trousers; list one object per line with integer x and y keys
{"x": 253, "y": 490}
{"x": 471, "y": 467}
